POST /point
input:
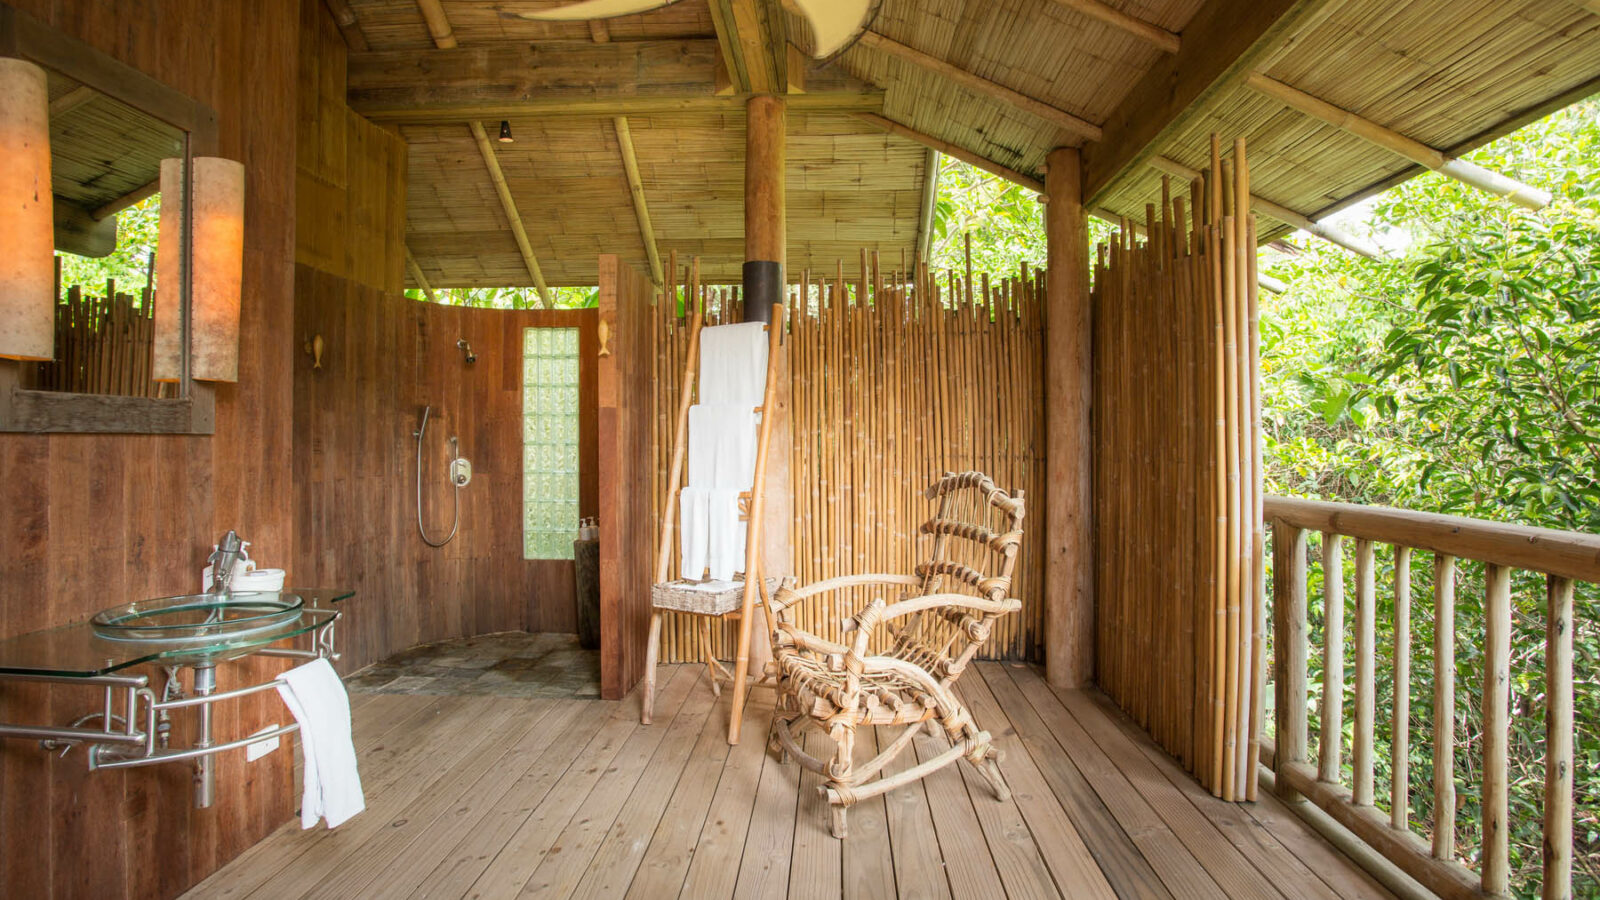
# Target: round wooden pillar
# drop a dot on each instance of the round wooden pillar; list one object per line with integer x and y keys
{"x": 1069, "y": 541}
{"x": 764, "y": 285}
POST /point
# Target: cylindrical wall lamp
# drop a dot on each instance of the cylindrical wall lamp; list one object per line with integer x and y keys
{"x": 27, "y": 230}
{"x": 218, "y": 254}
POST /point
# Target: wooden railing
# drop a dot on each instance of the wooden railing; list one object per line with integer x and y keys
{"x": 1562, "y": 557}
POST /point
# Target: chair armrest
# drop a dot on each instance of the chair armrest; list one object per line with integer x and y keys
{"x": 934, "y": 601}
{"x": 846, "y": 581}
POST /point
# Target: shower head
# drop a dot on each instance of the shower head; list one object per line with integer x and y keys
{"x": 471, "y": 357}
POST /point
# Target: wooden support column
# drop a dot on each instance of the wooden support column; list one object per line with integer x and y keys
{"x": 1069, "y": 585}
{"x": 765, "y": 161}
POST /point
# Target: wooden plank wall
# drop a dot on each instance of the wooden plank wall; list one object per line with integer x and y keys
{"x": 86, "y": 521}
{"x": 627, "y": 520}
{"x": 384, "y": 358}
{"x": 897, "y": 378}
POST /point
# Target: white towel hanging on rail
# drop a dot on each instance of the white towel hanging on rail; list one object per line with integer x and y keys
{"x": 316, "y": 697}
{"x": 733, "y": 365}
{"x": 693, "y": 530}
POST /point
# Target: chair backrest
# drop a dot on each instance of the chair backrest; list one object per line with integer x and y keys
{"x": 977, "y": 532}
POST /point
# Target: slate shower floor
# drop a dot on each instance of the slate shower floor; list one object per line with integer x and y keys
{"x": 508, "y": 664}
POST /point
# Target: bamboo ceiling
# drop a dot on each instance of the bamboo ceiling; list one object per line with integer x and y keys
{"x": 1450, "y": 73}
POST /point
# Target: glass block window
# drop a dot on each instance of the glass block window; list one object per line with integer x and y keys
{"x": 549, "y": 442}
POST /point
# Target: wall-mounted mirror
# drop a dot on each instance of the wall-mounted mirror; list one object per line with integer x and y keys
{"x": 117, "y": 264}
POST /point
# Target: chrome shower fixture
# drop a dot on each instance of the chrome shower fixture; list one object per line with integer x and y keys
{"x": 471, "y": 357}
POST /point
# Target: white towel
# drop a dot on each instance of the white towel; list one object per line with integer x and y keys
{"x": 693, "y": 531}
{"x": 316, "y": 697}
{"x": 722, "y": 446}
{"x": 733, "y": 364}
{"x": 725, "y": 542}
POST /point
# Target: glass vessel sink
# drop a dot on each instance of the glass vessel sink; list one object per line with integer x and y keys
{"x": 170, "y": 631}
{"x": 201, "y": 618}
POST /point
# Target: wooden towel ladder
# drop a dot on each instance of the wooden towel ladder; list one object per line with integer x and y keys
{"x": 678, "y": 596}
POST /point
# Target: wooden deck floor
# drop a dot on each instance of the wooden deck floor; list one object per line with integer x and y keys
{"x": 496, "y": 797}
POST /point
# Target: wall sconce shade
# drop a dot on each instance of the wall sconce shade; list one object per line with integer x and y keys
{"x": 218, "y": 253}
{"x": 27, "y": 227}
{"x": 505, "y": 131}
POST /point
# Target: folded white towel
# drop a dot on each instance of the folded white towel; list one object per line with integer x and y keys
{"x": 316, "y": 697}
{"x": 693, "y": 530}
{"x": 733, "y": 364}
{"x": 722, "y": 446}
{"x": 725, "y": 542}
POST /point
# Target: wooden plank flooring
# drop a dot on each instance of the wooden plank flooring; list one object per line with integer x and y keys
{"x": 502, "y": 797}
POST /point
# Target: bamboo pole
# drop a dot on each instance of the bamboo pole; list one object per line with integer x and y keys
{"x": 1444, "y": 706}
{"x": 1400, "y": 730}
{"x": 1558, "y": 759}
{"x": 1496, "y": 726}
{"x": 1332, "y": 734}
{"x": 1361, "y": 757}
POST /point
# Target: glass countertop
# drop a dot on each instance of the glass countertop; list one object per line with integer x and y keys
{"x": 78, "y": 650}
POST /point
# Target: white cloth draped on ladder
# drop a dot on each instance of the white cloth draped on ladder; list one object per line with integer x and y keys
{"x": 722, "y": 449}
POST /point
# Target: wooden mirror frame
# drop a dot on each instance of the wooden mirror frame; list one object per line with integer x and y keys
{"x": 192, "y": 411}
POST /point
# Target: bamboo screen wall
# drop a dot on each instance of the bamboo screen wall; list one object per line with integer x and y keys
{"x": 1177, "y": 480}
{"x": 897, "y": 378}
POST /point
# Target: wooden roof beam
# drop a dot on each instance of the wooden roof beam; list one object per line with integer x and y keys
{"x": 930, "y": 202}
{"x": 507, "y": 203}
{"x": 630, "y": 165}
{"x": 349, "y": 26}
{"x": 1223, "y": 42}
{"x": 509, "y": 79}
{"x": 1423, "y": 155}
{"x": 1282, "y": 213}
{"x": 1016, "y": 99}
{"x": 444, "y": 36}
{"x": 754, "y": 44}
{"x": 417, "y": 276}
{"x": 1154, "y": 35}
{"x": 949, "y": 149}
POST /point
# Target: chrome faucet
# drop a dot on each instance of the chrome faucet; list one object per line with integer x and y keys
{"x": 223, "y": 560}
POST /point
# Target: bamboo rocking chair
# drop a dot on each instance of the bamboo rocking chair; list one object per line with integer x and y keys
{"x": 685, "y": 595}
{"x": 941, "y": 619}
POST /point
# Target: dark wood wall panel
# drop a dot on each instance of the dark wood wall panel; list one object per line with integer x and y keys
{"x": 87, "y": 521}
{"x": 627, "y": 526}
{"x": 384, "y": 358}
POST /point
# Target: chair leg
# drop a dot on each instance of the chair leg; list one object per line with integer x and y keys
{"x": 711, "y": 661}
{"x": 839, "y": 772}
{"x": 837, "y": 824}
{"x": 651, "y": 654}
{"x": 989, "y": 768}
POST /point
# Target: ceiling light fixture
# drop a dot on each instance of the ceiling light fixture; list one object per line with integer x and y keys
{"x": 505, "y": 132}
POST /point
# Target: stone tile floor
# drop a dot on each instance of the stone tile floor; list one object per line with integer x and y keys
{"x": 509, "y": 664}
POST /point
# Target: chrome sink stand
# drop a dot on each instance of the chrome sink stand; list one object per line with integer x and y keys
{"x": 119, "y": 742}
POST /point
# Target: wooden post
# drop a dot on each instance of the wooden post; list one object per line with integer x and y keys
{"x": 1289, "y": 608}
{"x": 1444, "y": 706}
{"x": 1332, "y": 736}
{"x": 1366, "y": 690}
{"x": 1069, "y": 547}
{"x": 764, "y": 244}
{"x": 1558, "y": 739}
{"x": 1400, "y": 729}
{"x": 1496, "y": 726}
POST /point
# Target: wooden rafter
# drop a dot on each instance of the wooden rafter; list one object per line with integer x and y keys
{"x": 930, "y": 200}
{"x": 1154, "y": 35}
{"x": 349, "y": 26}
{"x": 630, "y": 165}
{"x": 1408, "y": 148}
{"x": 71, "y": 100}
{"x": 513, "y": 218}
{"x": 588, "y": 79}
{"x": 1016, "y": 99}
{"x": 1282, "y": 213}
{"x": 444, "y": 36}
{"x": 949, "y": 149}
{"x": 754, "y": 44}
{"x": 132, "y": 197}
{"x": 1223, "y": 42}
{"x": 417, "y": 276}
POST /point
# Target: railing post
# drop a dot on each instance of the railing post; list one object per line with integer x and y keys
{"x": 1558, "y": 739}
{"x": 1289, "y": 648}
{"x": 1444, "y": 706}
{"x": 1332, "y": 736}
{"x": 1361, "y": 754}
{"x": 1496, "y": 713}
{"x": 1400, "y": 734}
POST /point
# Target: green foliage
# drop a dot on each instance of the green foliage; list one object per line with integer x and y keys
{"x": 512, "y": 297}
{"x": 129, "y": 263}
{"x": 1459, "y": 376}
